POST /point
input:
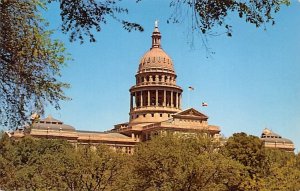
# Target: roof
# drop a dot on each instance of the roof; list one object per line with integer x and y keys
{"x": 269, "y": 133}
{"x": 269, "y": 136}
{"x": 156, "y": 58}
{"x": 112, "y": 135}
{"x": 49, "y": 118}
{"x": 50, "y": 123}
{"x": 190, "y": 113}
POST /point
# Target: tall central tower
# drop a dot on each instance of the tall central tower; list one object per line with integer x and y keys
{"x": 155, "y": 96}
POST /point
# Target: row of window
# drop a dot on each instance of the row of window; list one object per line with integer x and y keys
{"x": 51, "y": 122}
{"x": 127, "y": 150}
{"x": 267, "y": 136}
{"x": 156, "y": 78}
{"x": 190, "y": 120}
{"x": 144, "y": 115}
{"x": 159, "y": 59}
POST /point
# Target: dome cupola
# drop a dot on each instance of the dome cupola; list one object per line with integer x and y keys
{"x": 156, "y": 58}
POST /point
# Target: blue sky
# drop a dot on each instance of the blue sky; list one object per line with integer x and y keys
{"x": 250, "y": 83}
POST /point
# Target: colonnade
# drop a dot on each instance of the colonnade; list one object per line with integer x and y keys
{"x": 162, "y": 98}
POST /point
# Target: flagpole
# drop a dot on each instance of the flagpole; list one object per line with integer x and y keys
{"x": 189, "y": 98}
{"x": 189, "y": 94}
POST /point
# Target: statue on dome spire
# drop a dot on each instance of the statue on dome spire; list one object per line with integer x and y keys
{"x": 156, "y": 23}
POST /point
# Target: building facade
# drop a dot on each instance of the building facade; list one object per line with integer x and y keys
{"x": 155, "y": 106}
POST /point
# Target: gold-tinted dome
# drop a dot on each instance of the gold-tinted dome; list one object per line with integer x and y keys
{"x": 156, "y": 58}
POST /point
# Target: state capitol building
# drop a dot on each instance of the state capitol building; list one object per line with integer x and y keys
{"x": 155, "y": 107}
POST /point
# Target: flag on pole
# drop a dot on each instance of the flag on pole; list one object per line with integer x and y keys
{"x": 191, "y": 88}
{"x": 204, "y": 104}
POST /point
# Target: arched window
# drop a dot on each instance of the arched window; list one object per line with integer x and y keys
{"x": 159, "y": 78}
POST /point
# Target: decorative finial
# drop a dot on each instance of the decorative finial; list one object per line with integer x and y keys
{"x": 156, "y": 36}
{"x": 156, "y": 23}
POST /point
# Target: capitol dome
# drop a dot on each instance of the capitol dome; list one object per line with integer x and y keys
{"x": 156, "y": 58}
{"x": 155, "y": 96}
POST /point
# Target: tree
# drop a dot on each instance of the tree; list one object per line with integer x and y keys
{"x": 44, "y": 164}
{"x": 81, "y": 17}
{"x": 30, "y": 63}
{"x": 205, "y": 15}
{"x": 249, "y": 151}
{"x": 283, "y": 173}
{"x": 32, "y": 164}
{"x": 92, "y": 169}
{"x": 167, "y": 162}
{"x": 174, "y": 162}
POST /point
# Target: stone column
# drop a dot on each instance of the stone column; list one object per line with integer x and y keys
{"x": 131, "y": 101}
{"x": 180, "y": 99}
{"x": 156, "y": 97}
{"x": 177, "y": 99}
{"x": 148, "y": 97}
{"x": 135, "y": 100}
{"x": 141, "y": 99}
{"x": 165, "y": 96}
{"x": 171, "y": 98}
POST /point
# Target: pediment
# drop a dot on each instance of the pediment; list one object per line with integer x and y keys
{"x": 190, "y": 113}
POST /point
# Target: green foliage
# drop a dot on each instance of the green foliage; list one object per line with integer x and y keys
{"x": 30, "y": 63}
{"x": 298, "y": 161}
{"x": 248, "y": 150}
{"x": 168, "y": 162}
{"x": 268, "y": 169}
{"x": 41, "y": 164}
{"x": 81, "y": 18}
{"x": 205, "y": 15}
{"x": 282, "y": 173}
{"x": 31, "y": 164}
{"x": 92, "y": 169}
{"x": 172, "y": 162}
